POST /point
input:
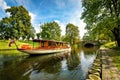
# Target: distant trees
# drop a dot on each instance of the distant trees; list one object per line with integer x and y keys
{"x": 38, "y": 35}
{"x": 102, "y": 17}
{"x": 17, "y": 25}
{"x": 51, "y": 31}
{"x": 72, "y": 34}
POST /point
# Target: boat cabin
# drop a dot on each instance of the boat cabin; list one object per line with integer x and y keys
{"x": 50, "y": 44}
{"x": 45, "y": 47}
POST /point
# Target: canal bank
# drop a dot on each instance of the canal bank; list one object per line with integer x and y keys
{"x": 95, "y": 72}
{"x": 109, "y": 69}
{"x": 104, "y": 66}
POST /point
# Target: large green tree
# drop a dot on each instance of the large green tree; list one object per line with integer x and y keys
{"x": 5, "y": 28}
{"x": 18, "y": 24}
{"x": 51, "y": 31}
{"x": 104, "y": 15}
{"x": 72, "y": 34}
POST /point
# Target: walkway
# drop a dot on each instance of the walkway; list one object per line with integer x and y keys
{"x": 109, "y": 71}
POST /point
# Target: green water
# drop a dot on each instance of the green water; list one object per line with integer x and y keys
{"x": 58, "y": 66}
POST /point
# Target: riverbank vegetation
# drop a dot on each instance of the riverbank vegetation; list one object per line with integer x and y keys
{"x": 115, "y": 55}
{"x": 114, "y": 52}
{"x": 4, "y": 44}
{"x": 18, "y": 26}
{"x": 102, "y": 19}
{"x": 102, "y": 23}
{"x": 6, "y": 50}
{"x": 110, "y": 44}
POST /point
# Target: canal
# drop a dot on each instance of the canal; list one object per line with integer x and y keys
{"x": 58, "y": 66}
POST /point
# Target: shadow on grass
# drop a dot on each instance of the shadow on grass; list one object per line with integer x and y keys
{"x": 115, "y": 55}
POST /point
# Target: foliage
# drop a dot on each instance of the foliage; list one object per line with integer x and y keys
{"x": 6, "y": 50}
{"x": 17, "y": 25}
{"x": 51, "y": 31}
{"x": 4, "y": 44}
{"x": 102, "y": 17}
{"x": 38, "y": 35}
{"x": 116, "y": 57}
{"x": 110, "y": 44}
{"x": 72, "y": 34}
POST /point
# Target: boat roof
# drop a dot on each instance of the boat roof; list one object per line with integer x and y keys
{"x": 38, "y": 40}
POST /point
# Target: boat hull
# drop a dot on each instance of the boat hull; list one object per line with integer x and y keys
{"x": 40, "y": 51}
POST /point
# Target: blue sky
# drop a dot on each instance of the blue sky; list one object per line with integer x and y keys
{"x": 42, "y": 11}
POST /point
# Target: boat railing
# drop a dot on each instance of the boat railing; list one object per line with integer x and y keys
{"x": 51, "y": 47}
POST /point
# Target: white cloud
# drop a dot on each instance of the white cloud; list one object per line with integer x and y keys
{"x": 23, "y": 2}
{"x": 32, "y": 17}
{"x": 37, "y": 27}
{"x": 3, "y": 5}
{"x": 75, "y": 19}
{"x": 73, "y": 16}
{"x": 62, "y": 26}
{"x": 60, "y": 3}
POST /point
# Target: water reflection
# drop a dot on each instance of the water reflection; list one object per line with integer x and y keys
{"x": 60, "y": 66}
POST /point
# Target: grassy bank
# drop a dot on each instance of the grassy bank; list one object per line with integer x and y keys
{"x": 110, "y": 44}
{"x": 4, "y": 44}
{"x": 115, "y": 53}
{"x": 5, "y": 49}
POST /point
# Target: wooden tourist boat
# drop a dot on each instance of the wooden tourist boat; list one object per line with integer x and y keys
{"x": 45, "y": 47}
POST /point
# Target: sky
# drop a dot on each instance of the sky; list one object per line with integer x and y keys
{"x": 42, "y": 11}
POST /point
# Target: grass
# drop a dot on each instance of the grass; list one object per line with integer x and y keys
{"x": 31, "y": 43}
{"x": 116, "y": 57}
{"x": 115, "y": 54}
{"x": 110, "y": 44}
{"x": 4, "y": 44}
{"x": 5, "y": 49}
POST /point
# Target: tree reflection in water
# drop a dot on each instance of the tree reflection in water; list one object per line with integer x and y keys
{"x": 58, "y": 66}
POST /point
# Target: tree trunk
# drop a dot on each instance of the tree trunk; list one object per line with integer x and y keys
{"x": 117, "y": 36}
{"x": 118, "y": 42}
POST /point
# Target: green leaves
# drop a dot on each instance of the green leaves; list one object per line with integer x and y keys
{"x": 19, "y": 23}
{"x": 72, "y": 33}
{"x": 105, "y": 15}
{"x": 51, "y": 31}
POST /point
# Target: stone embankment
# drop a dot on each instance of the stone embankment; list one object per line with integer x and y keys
{"x": 103, "y": 67}
{"x": 95, "y": 71}
{"x": 109, "y": 70}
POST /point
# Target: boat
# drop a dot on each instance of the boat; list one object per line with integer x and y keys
{"x": 45, "y": 47}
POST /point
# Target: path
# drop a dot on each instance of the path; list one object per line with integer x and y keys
{"x": 109, "y": 70}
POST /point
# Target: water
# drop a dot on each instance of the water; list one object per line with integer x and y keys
{"x": 58, "y": 66}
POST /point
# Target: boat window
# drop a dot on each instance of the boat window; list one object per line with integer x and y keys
{"x": 42, "y": 43}
{"x": 49, "y": 44}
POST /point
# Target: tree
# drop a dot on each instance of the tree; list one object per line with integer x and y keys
{"x": 38, "y": 35}
{"x": 72, "y": 33}
{"x": 18, "y": 24}
{"x": 5, "y": 28}
{"x": 31, "y": 33}
{"x": 51, "y": 31}
{"x": 104, "y": 14}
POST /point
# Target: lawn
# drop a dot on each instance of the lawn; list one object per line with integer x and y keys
{"x": 5, "y": 49}
{"x": 115, "y": 54}
{"x": 4, "y": 44}
{"x": 110, "y": 44}
{"x": 116, "y": 57}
